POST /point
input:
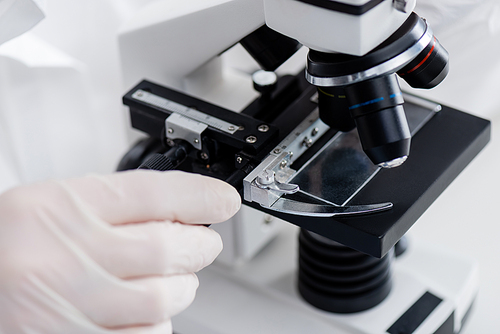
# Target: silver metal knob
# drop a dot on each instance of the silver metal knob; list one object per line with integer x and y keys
{"x": 400, "y": 5}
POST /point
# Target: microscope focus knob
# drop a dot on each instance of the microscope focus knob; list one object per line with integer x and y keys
{"x": 158, "y": 162}
{"x": 169, "y": 160}
{"x": 264, "y": 81}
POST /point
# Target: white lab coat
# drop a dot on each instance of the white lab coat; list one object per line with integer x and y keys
{"x": 60, "y": 85}
{"x": 470, "y": 31}
{"x": 60, "y": 93}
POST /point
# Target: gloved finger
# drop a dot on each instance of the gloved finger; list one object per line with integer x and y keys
{"x": 77, "y": 280}
{"x": 140, "y": 196}
{"x": 156, "y": 248}
{"x": 163, "y": 328}
{"x": 141, "y": 302}
{"x": 131, "y": 250}
{"x": 44, "y": 311}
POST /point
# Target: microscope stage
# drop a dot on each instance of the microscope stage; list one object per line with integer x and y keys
{"x": 440, "y": 150}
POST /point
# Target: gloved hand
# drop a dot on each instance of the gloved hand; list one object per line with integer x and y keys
{"x": 107, "y": 254}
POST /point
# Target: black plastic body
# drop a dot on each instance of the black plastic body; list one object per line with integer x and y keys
{"x": 151, "y": 119}
{"x": 343, "y": 7}
{"x": 269, "y": 48}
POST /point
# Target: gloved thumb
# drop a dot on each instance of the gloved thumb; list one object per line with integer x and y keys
{"x": 141, "y": 196}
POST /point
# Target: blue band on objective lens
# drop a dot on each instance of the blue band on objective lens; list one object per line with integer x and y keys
{"x": 372, "y": 101}
{"x": 366, "y": 103}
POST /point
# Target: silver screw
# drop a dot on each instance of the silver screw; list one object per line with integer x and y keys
{"x": 170, "y": 142}
{"x": 251, "y": 139}
{"x": 263, "y": 128}
{"x": 277, "y": 151}
{"x": 307, "y": 142}
{"x": 196, "y": 141}
{"x": 241, "y": 128}
{"x": 170, "y": 131}
{"x": 283, "y": 164}
{"x": 239, "y": 160}
{"x": 314, "y": 132}
{"x": 266, "y": 177}
{"x": 231, "y": 128}
{"x": 203, "y": 156}
{"x": 140, "y": 94}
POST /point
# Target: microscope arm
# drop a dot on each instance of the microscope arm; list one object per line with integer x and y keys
{"x": 168, "y": 40}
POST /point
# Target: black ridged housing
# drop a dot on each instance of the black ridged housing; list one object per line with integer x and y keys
{"x": 338, "y": 279}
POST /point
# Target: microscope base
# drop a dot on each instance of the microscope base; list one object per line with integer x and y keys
{"x": 433, "y": 291}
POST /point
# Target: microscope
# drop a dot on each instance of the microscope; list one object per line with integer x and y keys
{"x": 335, "y": 153}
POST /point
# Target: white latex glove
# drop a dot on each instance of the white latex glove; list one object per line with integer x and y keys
{"x": 107, "y": 254}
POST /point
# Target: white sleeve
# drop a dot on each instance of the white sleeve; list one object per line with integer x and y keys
{"x": 54, "y": 121}
{"x": 19, "y": 16}
{"x": 470, "y": 31}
